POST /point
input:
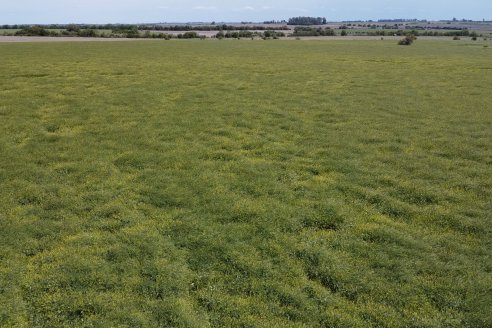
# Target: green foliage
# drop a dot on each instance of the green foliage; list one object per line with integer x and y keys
{"x": 302, "y": 20}
{"x": 73, "y": 28}
{"x": 33, "y": 31}
{"x": 188, "y": 35}
{"x": 245, "y": 184}
{"x": 312, "y": 31}
{"x": 87, "y": 33}
{"x": 408, "y": 40}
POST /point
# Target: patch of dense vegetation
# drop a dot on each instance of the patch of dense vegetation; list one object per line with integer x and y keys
{"x": 407, "y": 40}
{"x": 222, "y": 27}
{"x": 133, "y": 31}
{"x": 303, "y": 20}
{"x": 150, "y": 27}
{"x": 156, "y": 31}
{"x": 35, "y": 31}
{"x": 313, "y": 31}
{"x": 245, "y": 184}
{"x": 249, "y": 34}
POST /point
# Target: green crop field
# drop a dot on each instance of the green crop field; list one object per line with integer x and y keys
{"x": 246, "y": 184}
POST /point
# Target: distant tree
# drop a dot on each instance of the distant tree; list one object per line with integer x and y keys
{"x": 307, "y": 21}
{"x": 313, "y": 31}
{"x": 190, "y": 35}
{"x": 132, "y": 33}
{"x": 87, "y": 33}
{"x": 147, "y": 35}
{"x": 344, "y": 33}
{"x": 73, "y": 28}
{"x": 273, "y": 34}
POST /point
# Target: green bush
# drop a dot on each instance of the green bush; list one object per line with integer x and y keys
{"x": 73, "y": 28}
{"x": 188, "y": 35}
{"x": 312, "y": 31}
{"x": 408, "y": 40}
{"x": 33, "y": 31}
{"x": 87, "y": 33}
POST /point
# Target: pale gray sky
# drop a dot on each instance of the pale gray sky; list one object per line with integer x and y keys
{"x": 131, "y": 11}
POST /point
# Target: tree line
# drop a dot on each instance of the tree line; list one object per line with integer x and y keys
{"x": 148, "y": 27}
{"x": 305, "y": 20}
{"x": 222, "y": 27}
{"x": 134, "y": 33}
{"x": 249, "y": 34}
{"x": 312, "y": 31}
{"x": 131, "y": 31}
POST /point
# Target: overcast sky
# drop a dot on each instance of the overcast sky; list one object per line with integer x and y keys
{"x": 151, "y": 11}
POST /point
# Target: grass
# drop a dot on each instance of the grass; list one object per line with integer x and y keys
{"x": 245, "y": 184}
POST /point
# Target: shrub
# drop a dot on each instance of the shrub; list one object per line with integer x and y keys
{"x": 312, "y": 31}
{"x": 147, "y": 35}
{"x": 456, "y": 37}
{"x": 87, "y": 33}
{"x": 408, "y": 40}
{"x": 73, "y": 28}
{"x": 273, "y": 34}
{"x": 190, "y": 35}
{"x": 33, "y": 31}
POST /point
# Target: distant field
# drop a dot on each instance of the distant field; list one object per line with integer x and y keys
{"x": 364, "y": 31}
{"x": 8, "y": 30}
{"x": 57, "y": 30}
{"x": 246, "y": 184}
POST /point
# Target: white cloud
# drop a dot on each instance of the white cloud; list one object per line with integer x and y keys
{"x": 205, "y": 8}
